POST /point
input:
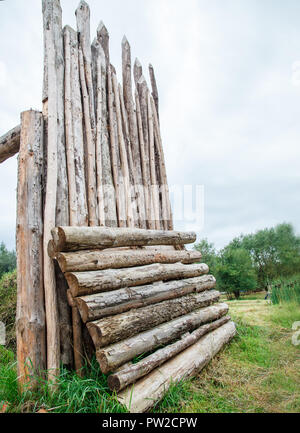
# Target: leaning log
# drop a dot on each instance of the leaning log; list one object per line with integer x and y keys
{"x": 10, "y": 143}
{"x": 112, "y": 357}
{"x": 31, "y": 334}
{"x": 86, "y": 283}
{"x": 94, "y": 260}
{"x": 132, "y": 372}
{"x": 81, "y": 238}
{"x": 93, "y": 307}
{"x": 117, "y": 328}
{"x": 147, "y": 391}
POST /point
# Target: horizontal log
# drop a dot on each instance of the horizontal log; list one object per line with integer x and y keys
{"x": 116, "y": 328}
{"x": 147, "y": 391}
{"x": 10, "y": 143}
{"x": 85, "y": 283}
{"x": 112, "y": 357}
{"x": 93, "y": 307}
{"x": 93, "y": 260}
{"x": 83, "y": 238}
{"x": 130, "y": 373}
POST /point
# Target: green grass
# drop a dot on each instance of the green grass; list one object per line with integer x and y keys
{"x": 257, "y": 372}
{"x": 286, "y": 290}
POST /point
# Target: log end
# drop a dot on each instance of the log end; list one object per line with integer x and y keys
{"x": 103, "y": 362}
{"x": 51, "y": 249}
{"x": 72, "y": 282}
{"x": 114, "y": 383}
{"x": 96, "y": 335}
{"x": 83, "y": 309}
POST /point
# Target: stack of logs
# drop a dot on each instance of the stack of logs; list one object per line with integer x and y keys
{"x": 135, "y": 301}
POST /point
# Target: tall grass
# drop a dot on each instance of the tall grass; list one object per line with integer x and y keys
{"x": 286, "y": 290}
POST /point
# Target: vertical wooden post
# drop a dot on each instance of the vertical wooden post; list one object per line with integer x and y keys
{"x": 31, "y": 336}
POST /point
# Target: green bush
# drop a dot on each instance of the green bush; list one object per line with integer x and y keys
{"x": 8, "y": 303}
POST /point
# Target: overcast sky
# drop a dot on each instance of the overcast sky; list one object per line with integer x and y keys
{"x": 229, "y": 86}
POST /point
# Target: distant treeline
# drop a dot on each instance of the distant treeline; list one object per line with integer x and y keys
{"x": 8, "y": 261}
{"x": 254, "y": 261}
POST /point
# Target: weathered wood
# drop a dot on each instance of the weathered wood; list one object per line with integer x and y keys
{"x": 167, "y": 211}
{"x": 93, "y": 307}
{"x": 75, "y": 130}
{"x": 81, "y": 238}
{"x": 133, "y": 129}
{"x": 132, "y": 174}
{"x": 90, "y": 147}
{"x": 137, "y": 71}
{"x": 111, "y": 357}
{"x": 94, "y": 260}
{"x": 117, "y": 328}
{"x": 102, "y": 144}
{"x": 145, "y": 179}
{"x": 30, "y": 320}
{"x": 147, "y": 391}
{"x": 132, "y": 372}
{"x": 152, "y": 163}
{"x": 54, "y": 93}
{"x": 123, "y": 155}
{"x": 154, "y": 88}
{"x": 10, "y": 143}
{"x": 85, "y": 283}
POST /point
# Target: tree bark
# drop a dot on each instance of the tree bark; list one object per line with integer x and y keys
{"x": 86, "y": 283}
{"x": 112, "y": 357}
{"x": 101, "y": 305}
{"x": 117, "y": 328}
{"x": 10, "y": 143}
{"x": 132, "y": 372}
{"x": 31, "y": 326}
{"x": 147, "y": 391}
{"x": 81, "y": 238}
{"x": 95, "y": 260}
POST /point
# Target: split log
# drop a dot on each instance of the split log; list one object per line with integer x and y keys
{"x": 98, "y": 260}
{"x": 90, "y": 147}
{"x": 133, "y": 129}
{"x": 167, "y": 211}
{"x": 137, "y": 71}
{"x": 132, "y": 372}
{"x": 54, "y": 94}
{"x": 144, "y": 168}
{"x": 132, "y": 174}
{"x": 117, "y": 328}
{"x": 80, "y": 238}
{"x": 10, "y": 143}
{"x": 76, "y": 128}
{"x": 85, "y": 283}
{"x": 109, "y": 197}
{"x": 111, "y": 357}
{"x": 143, "y": 107}
{"x": 93, "y": 307}
{"x": 123, "y": 155}
{"x": 152, "y": 163}
{"x": 147, "y": 391}
{"x": 30, "y": 320}
{"x": 154, "y": 88}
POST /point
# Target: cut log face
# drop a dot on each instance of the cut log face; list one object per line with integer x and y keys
{"x": 82, "y": 238}
{"x": 112, "y": 357}
{"x": 94, "y": 260}
{"x": 85, "y": 283}
{"x": 149, "y": 390}
{"x": 10, "y": 143}
{"x": 116, "y": 328}
{"x": 130, "y": 373}
{"x": 94, "y": 307}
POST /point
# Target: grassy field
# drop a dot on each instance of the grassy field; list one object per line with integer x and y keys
{"x": 258, "y": 372}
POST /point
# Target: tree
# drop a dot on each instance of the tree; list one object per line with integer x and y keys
{"x": 235, "y": 271}
{"x": 209, "y": 254}
{"x": 7, "y": 259}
